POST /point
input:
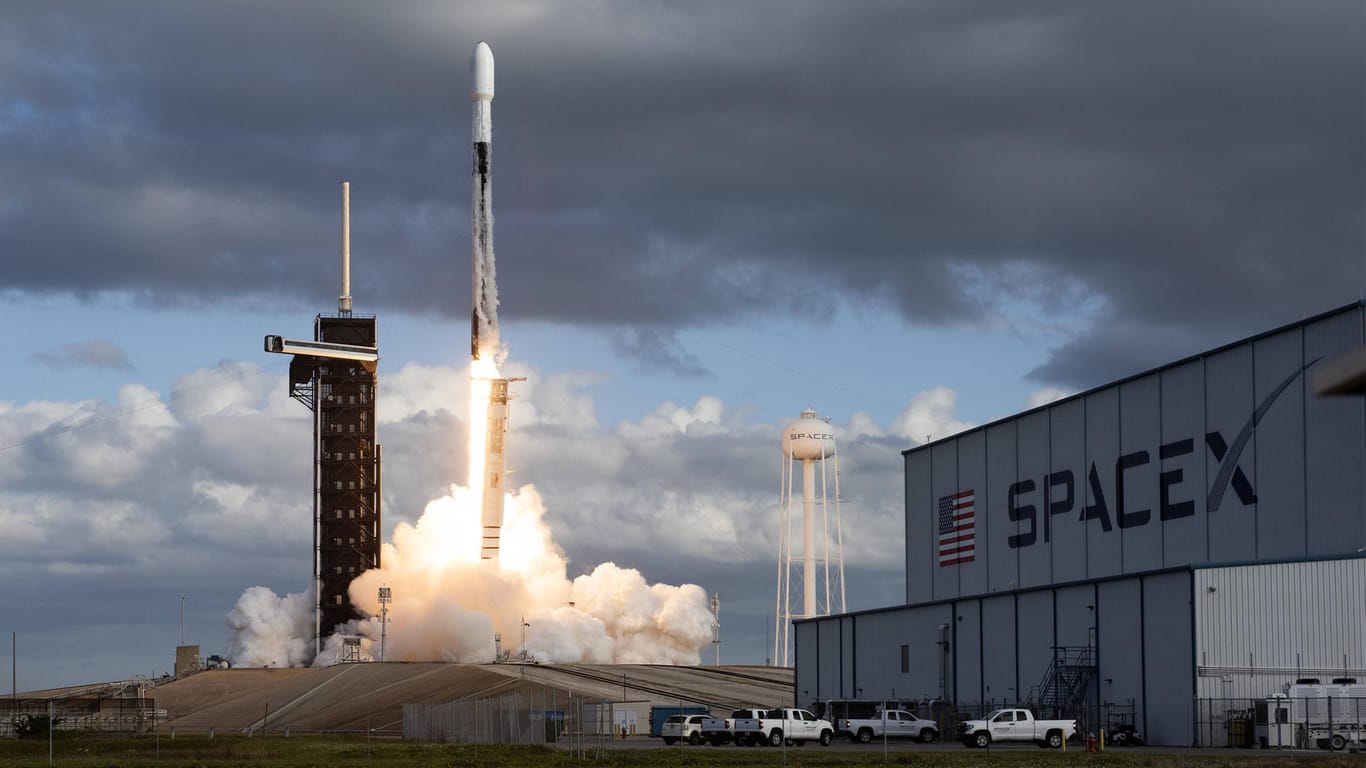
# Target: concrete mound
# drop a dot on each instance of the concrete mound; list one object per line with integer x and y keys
{"x": 361, "y": 698}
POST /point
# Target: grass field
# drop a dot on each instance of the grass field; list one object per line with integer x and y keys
{"x": 340, "y": 751}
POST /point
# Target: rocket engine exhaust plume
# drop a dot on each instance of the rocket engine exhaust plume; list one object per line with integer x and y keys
{"x": 448, "y": 603}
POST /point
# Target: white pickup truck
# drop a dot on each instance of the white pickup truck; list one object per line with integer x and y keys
{"x": 1016, "y": 725}
{"x": 898, "y": 724}
{"x": 721, "y": 730}
{"x": 795, "y": 726}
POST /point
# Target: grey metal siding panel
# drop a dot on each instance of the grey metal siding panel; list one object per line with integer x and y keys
{"x": 1167, "y": 657}
{"x": 1120, "y": 636}
{"x": 1076, "y": 615}
{"x": 998, "y": 649}
{"x": 1229, "y": 404}
{"x": 1185, "y": 532}
{"x": 972, "y": 475}
{"x": 847, "y": 658}
{"x": 1137, "y": 513}
{"x": 929, "y": 680}
{"x": 809, "y": 657}
{"x": 1075, "y": 610}
{"x": 1064, "y": 496}
{"x": 880, "y": 637}
{"x": 1103, "y": 548}
{"x": 1335, "y": 449}
{"x": 945, "y": 483}
{"x": 1003, "y": 570}
{"x": 967, "y": 677}
{"x": 1035, "y": 637}
{"x": 828, "y": 672}
{"x": 919, "y": 528}
{"x": 1036, "y": 567}
{"x": 1280, "y": 446}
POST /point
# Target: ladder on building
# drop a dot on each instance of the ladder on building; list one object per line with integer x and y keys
{"x": 1063, "y": 687}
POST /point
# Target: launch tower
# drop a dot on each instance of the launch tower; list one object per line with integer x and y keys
{"x": 335, "y": 375}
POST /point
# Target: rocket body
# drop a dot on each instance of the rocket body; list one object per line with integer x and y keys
{"x": 484, "y": 320}
{"x": 491, "y": 516}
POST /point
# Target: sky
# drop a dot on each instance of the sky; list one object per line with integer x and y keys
{"x": 910, "y": 216}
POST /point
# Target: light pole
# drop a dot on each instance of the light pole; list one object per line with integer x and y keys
{"x": 716, "y": 627}
{"x": 386, "y": 596}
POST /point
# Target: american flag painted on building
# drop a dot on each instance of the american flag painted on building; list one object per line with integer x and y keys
{"x": 957, "y": 528}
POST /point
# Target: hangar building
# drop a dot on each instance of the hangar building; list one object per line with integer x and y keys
{"x": 1197, "y": 531}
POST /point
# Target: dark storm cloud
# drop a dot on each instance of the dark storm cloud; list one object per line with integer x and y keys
{"x": 658, "y": 350}
{"x": 98, "y": 353}
{"x": 1188, "y": 166}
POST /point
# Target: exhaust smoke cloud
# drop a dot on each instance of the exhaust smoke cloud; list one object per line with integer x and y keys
{"x": 447, "y": 603}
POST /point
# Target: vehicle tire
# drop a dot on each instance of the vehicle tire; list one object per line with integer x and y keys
{"x": 981, "y": 739}
{"x": 927, "y": 735}
{"x": 775, "y": 739}
{"x": 716, "y": 741}
{"x": 826, "y": 738}
{"x": 1054, "y": 739}
{"x": 670, "y": 741}
{"x": 1337, "y": 743}
{"x": 694, "y": 738}
{"x": 865, "y": 735}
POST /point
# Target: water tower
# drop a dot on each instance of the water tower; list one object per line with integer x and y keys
{"x": 819, "y": 588}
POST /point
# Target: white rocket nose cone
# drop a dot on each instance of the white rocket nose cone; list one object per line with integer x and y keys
{"x": 481, "y": 73}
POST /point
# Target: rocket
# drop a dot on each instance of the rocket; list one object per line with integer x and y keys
{"x": 484, "y": 320}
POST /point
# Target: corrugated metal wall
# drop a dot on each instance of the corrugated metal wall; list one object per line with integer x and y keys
{"x": 1261, "y": 626}
{"x": 1001, "y": 646}
{"x": 1225, "y": 457}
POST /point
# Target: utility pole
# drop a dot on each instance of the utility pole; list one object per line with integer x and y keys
{"x": 182, "y": 618}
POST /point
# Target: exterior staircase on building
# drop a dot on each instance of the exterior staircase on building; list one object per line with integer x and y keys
{"x": 1062, "y": 691}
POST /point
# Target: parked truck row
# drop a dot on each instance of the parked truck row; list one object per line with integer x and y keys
{"x": 757, "y": 726}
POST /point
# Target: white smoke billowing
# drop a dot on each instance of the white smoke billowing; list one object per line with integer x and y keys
{"x": 448, "y": 603}
{"x": 271, "y": 631}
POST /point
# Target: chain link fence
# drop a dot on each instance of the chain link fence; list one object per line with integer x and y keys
{"x": 1328, "y": 722}
{"x": 547, "y": 716}
{"x": 95, "y": 714}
